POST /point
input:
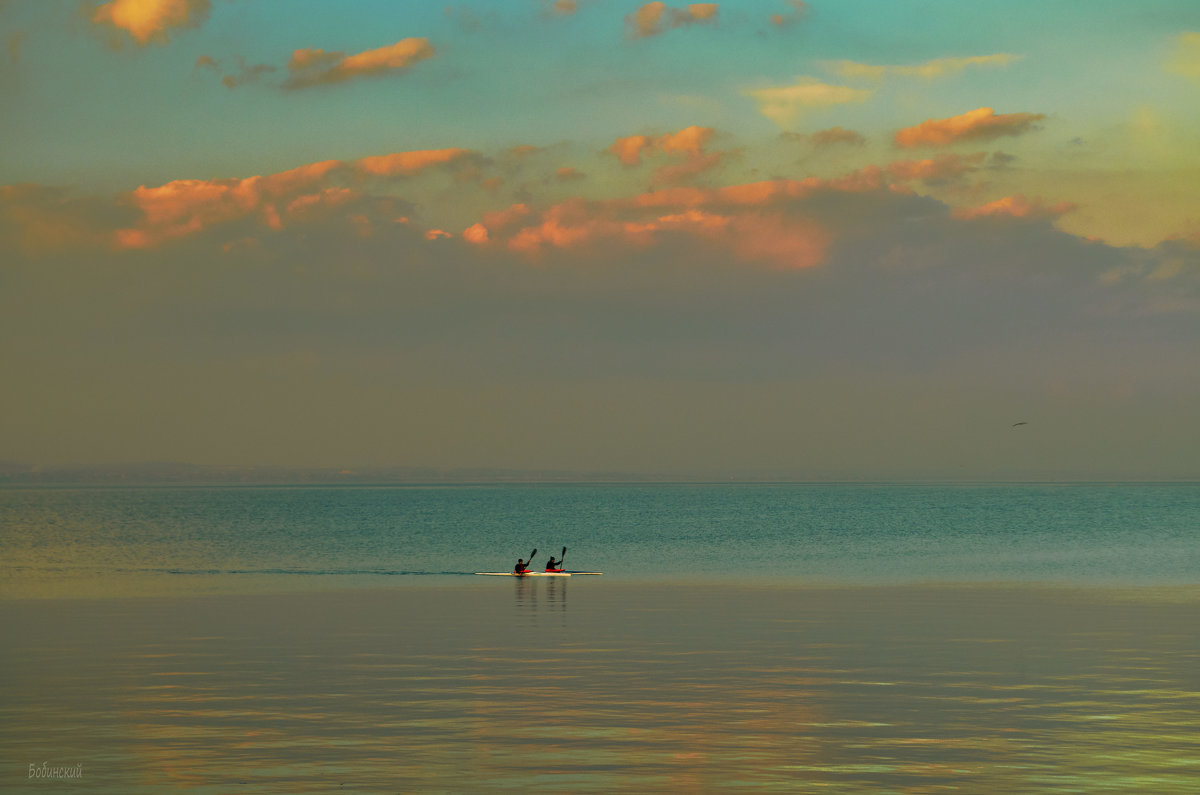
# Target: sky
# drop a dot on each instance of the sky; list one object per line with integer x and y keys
{"x": 834, "y": 239}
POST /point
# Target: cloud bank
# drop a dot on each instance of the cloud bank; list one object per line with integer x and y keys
{"x": 831, "y": 326}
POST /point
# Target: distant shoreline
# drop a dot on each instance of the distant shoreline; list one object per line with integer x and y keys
{"x": 184, "y": 475}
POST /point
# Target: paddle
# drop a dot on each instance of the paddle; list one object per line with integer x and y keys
{"x": 561, "y": 558}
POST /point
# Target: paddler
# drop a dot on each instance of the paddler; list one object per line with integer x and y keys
{"x": 551, "y": 565}
{"x": 520, "y": 568}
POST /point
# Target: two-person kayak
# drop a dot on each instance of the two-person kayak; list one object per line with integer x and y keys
{"x": 553, "y": 568}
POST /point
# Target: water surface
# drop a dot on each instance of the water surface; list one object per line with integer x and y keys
{"x": 222, "y": 539}
{"x": 586, "y": 686}
{"x": 844, "y": 639}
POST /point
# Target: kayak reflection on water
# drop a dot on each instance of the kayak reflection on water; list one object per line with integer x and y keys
{"x": 535, "y": 597}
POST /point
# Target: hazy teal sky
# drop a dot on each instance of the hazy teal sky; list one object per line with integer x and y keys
{"x": 823, "y": 239}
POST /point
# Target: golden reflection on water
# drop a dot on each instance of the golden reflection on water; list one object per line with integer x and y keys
{"x": 588, "y": 686}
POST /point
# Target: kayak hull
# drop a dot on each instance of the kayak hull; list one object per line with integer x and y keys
{"x": 534, "y": 573}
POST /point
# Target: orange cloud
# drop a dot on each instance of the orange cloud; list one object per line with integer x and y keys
{"x": 149, "y": 21}
{"x": 1016, "y": 206}
{"x": 753, "y": 236}
{"x": 654, "y": 18}
{"x": 689, "y": 142}
{"x": 310, "y": 206}
{"x": 759, "y": 194}
{"x": 945, "y": 166}
{"x": 184, "y": 207}
{"x": 476, "y": 233}
{"x": 311, "y": 67}
{"x": 297, "y": 179}
{"x": 571, "y": 224}
{"x": 577, "y": 222}
{"x": 629, "y": 149}
{"x": 755, "y": 222}
{"x": 405, "y": 164}
{"x": 976, "y": 125}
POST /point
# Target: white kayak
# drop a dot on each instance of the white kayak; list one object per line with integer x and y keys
{"x": 534, "y": 573}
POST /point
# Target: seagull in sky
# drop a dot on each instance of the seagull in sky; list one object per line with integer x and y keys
{"x": 1022, "y": 422}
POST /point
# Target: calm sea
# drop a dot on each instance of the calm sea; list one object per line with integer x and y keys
{"x": 110, "y": 541}
{"x": 819, "y": 639}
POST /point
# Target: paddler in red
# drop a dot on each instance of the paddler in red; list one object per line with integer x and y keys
{"x": 520, "y": 568}
{"x": 552, "y": 566}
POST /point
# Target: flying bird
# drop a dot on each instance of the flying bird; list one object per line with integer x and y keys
{"x": 1022, "y": 422}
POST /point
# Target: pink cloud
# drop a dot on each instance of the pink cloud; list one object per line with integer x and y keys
{"x": 976, "y": 125}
